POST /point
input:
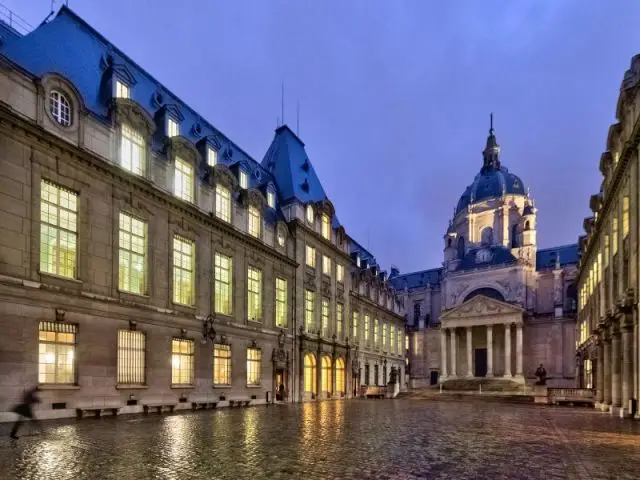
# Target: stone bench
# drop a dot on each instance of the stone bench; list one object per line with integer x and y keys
{"x": 97, "y": 411}
{"x": 203, "y": 403}
{"x": 239, "y": 403}
{"x": 158, "y": 407}
{"x": 373, "y": 391}
{"x": 558, "y": 396}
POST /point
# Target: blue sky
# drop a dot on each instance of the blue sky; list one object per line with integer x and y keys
{"x": 395, "y": 95}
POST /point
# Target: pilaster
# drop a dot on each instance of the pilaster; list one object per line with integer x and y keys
{"x": 489, "y": 350}
{"x": 507, "y": 350}
{"x": 469, "y": 353}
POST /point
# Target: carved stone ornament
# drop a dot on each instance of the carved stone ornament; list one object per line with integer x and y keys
{"x": 253, "y": 196}
{"x": 222, "y": 175}
{"x": 126, "y": 110}
{"x": 179, "y": 146}
{"x": 60, "y": 315}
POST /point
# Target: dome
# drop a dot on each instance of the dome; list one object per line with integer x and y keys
{"x": 492, "y": 183}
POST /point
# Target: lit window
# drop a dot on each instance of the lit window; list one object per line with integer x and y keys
{"x": 358, "y": 261}
{"x": 122, "y": 90}
{"x": 60, "y": 108}
{"x": 212, "y": 156}
{"x": 326, "y": 227}
{"x": 221, "y": 364}
{"x": 340, "y": 376}
{"x": 254, "y": 357}
{"x": 309, "y": 311}
{"x": 281, "y": 302}
{"x": 392, "y": 339}
{"x": 173, "y": 128}
{"x": 183, "y": 182}
{"x": 223, "y": 272}
{"x": 326, "y": 375}
{"x": 58, "y": 230}
{"x": 354, "y": 326}
{"x": 625, "y": 217}
{"x": 340, "y": 273}
{"x": 132, "y": 150}
{"x": 325, "y": 317}
{"x": 311, "y": 256}
{"x": 132, "y": 246}
{"x": 376, "y": 333}
{"x": 339, "y": 320}
{"x": 309, "y": 373}
{"x": 606, "y": 250}
{"x": 182, "y": 361}
{"x": 367, "y": 326}
{"x": 309, "y": 214}
{"x": 400, "y": 342}
{"x": 255, "y": 221}
{"x": 281, "y": 238}
{"x": 271, "y": 198}
{"x": 326, "y": 265}
{"x": 131, "y": 357}
{"x": 223, "y": 203}
{"x": 57, "y": 348}
{"x": 614, "y": 235}
{"x": 244, "y": 179}
{"x": 384, "y": 336}
{"x": 254, "y": 291}
{"x": 183, "y": 271}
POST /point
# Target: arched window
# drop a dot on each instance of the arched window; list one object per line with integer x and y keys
{"x": 526, "y": 225}
{"x": 461, "y": 247}
{"x": 326, "y": 374}
{"x": 487, "y": 292}
{"x": 60, "y": 108}
{"x": 515, "y": 237}
{"x": 340, "y": 378}
{"x": 310, "y": 373}
{"x": 449, "y": 242}
{"x": 486, "y": 236}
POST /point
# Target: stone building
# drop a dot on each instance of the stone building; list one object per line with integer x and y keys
{"x": 499, "y": 307}
{"x": 146, "y": 258}
{"x": 608, "y": 339}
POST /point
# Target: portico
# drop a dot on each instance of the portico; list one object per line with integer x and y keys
{"x": 476, "y": 341}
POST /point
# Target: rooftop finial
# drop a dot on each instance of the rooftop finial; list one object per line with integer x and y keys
{"x": 491, "y": 123}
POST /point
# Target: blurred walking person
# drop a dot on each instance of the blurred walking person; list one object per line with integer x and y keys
{"x": 24, "y": 410}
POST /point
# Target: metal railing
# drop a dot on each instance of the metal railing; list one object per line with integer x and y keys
{"x": 14, "y": 21}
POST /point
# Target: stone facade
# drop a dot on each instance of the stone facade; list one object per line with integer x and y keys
{"x": 608, "y": 357}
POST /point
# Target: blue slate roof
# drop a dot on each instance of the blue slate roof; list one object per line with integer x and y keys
{"x": 499, "y": 256}
{"x": 490, "y": 184}
{"x": 546, "y": 258}
{"x": 363, "y": 253}
{"x": 417, "y": 279}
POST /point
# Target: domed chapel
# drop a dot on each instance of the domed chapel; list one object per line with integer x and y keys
{"x": 499, "y": 306}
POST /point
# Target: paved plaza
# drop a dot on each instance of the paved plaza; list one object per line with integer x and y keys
{"x": 381, "y": 439}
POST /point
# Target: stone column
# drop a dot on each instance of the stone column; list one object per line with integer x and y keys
{"x": 627, "y": 361}
{"x": 607, "y": 370}
{"x": 454, "y": 354}
{"x": 600, "y": 371}
{"x": 489, "y": 350}
{"x": 519, "y": 350}
{"x": 507, "y": 350}
{"x": 443, "y": 353}
{"x": 469, "y": 353}
{"x": 616, "y": 366}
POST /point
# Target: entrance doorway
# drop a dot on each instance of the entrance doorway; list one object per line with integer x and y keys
{"x": 281, "y": 391}
{"x": 481, "y": 362}
{"x": 433, "y": 379}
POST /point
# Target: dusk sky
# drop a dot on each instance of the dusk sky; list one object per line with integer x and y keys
{"x": 395, "y": 96}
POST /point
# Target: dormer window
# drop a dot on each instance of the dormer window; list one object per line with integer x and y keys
{"x": 122, "y": 90}
{"x": 183, "y": 181}
{"x": 255, "y": 221}
{"x": 309, "y": 214}
{"x": 326, "y": 227}
{"x": 358, "y": 261}
{"x": 212, "y": 156}
{"x": 271, "y": 198}
{"x": 132, "y": 150}
{"x": 60, "y": 108}
{"x": 244, "y": 179}
{"x": 173, "y": 128}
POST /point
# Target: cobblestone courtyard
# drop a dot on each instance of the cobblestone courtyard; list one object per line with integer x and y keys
{"x": 401, "y": 439}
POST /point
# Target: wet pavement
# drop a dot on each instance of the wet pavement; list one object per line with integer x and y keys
{"x": 364, "y": 439}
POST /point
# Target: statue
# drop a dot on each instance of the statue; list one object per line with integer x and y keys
{"x": 393, "y": 376}
{"x": 541, "y": 373}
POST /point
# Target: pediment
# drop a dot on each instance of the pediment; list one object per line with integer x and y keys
{"x": 481, "y": 306}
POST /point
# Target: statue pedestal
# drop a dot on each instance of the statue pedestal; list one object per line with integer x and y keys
{"x": 540, "y": 395}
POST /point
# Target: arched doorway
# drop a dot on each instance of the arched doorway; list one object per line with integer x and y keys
{"x": 310, "y": 374}
{"x": 340, "y": 377}
{"x": 325, "y": 379}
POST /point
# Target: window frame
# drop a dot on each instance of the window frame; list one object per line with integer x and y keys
{"x": 281, "y": 293}
{"x": 310, "y": 256}
{"x": 122, "y": 89}
{"x": 131, "y": 252}
{"x": 212, "y": 156}
{"x": 326, "y": 265}
{"x": 243, "y": 179}
{"x": 137, "y": 358}
{"x": 178, "y": 354}
{"x": 176, "y": 296}
{"x": 254, "y": 378}
{"x": 130, "y": 139}
{"x": 309, "y": 214}
{"x": 325, "y": 226}
{"x": 222, "y": 371}
{"x": 271, "y": 198}
{"x": 60, "y": 347}
{"x": 325, "y": 316}
{"x": 339, "y": 273}
{"x": 173, "y": 127}
{"x": 187, "y": 174}
{"x": 309, "y": 310}
{"x": 220, "y": 285}
{"x": 223, "y": 199}
{"x": 254, "y": 221}
{"x": 60, "y": 108}
{"x": 254, "y": 297}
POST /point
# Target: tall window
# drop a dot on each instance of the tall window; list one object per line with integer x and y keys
{"x": 384, "y": 336}
{"x": 212, "y": 156}
{"x": 122, "y": 90}
{"x": 606, "y": 250}
{"x": 221, "y": 364}
{"x": 614, "y": 234}
{"x": 60, "y": 108}
{"x": 254, "y": 287}
{"x": 376, "y": 333}
{"x": 310, "y": 373}
{"x": 58, "y": 230}
{"x": 392, "y": 338}
{"x": 326, "y": 265}
{"x": 255, "y": 221}
{"x": 326, "y": 375}
{"x": 310, "y": 256}
{"x": 281, "y": 302}
{"x": 309, "y": 310}
{"x": 271, "y": 198}
{"x": 173, "y": 128}
{"x": 254, "y": 357}
{"x": 309, "y": 214}
{"x": 182, "y": 361}
{"x": 625, "y": 217}
{"x": 340, "y": 376}
{"x": 339, "y": 320}
{"x": 223, "y": 203}
{"x": 132, "y": 150}
{"x": 416, "y": 313}
{"x": 223, "y": 271}
{"x": 57, "y": 349}
{"x": 354, "y": 325}
{"x": 183, "y": 271}
{"x": 339, "y": 273}
{"x": 325, "y": 317}
{"x": 588, "y": 374}
{"x": 244, "y": 179}
{"x": 131, "y": 357}
{"x": 326, "y": 227}
{"x": 367, "y": 326}
{"x": 183, "y": 181}
{"x": 132, "y": 239}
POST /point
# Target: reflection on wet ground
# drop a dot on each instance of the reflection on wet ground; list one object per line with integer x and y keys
{"x": 381, "y": 439}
